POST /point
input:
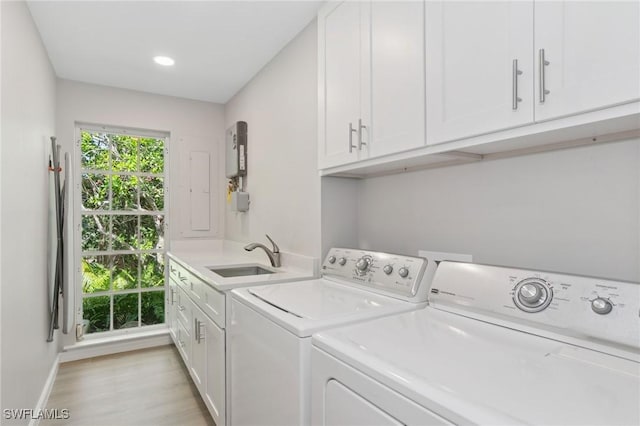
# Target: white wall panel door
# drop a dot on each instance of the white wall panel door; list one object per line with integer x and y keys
{"x": 339, "y": 77}
{"x": 397, "y": 115}
{"x": 471, "y": 81}
{"x": 199, "y": 184}
{"x": 593, "y": 54}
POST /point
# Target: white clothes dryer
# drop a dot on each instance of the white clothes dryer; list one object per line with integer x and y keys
{"x": 271, "y": 327}
{"x": 495, "y": 346}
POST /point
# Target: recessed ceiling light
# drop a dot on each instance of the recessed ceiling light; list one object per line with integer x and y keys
{"x": 164, "y": 60}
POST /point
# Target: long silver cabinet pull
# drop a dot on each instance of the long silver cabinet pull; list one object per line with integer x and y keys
{"x": 198, "y": 331}
{"x": 542, "y": 63}
{"x": 351, "y": 145}
{"x": 173, "y": 296}
{"x": 200, "y": 336}
{"x": 360, "y": 127}
{"x": 514, "y": 85}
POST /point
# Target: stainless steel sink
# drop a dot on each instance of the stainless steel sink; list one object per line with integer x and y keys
{"x": 240, "y": 271}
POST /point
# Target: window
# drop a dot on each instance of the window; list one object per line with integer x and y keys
{"x": 122, "y": 222}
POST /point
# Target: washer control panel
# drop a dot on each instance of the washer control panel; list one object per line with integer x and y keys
{"x": 396, "y": 274}
{"x": 583, "y": 307}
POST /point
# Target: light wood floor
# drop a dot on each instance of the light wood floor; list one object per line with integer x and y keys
{"x": 146, "y": 387}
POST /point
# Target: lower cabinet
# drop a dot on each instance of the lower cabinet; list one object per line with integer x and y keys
{"x": 172, "y": 320}
{"x": 200, "y": 341}
{"x": 207, "y": 363}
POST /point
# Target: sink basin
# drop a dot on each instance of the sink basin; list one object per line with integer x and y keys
{"x": 240, "y": 271}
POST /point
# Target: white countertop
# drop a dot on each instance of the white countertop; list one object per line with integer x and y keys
{"x": 199, "y": 255}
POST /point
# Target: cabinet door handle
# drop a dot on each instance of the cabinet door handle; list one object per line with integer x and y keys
{"x": 514, "y": 86}
{"x": 351, "y": 145}
{"x": 542, "y": 63}
{"x": 360, "y": 127}
{"x": 198, "y": 330}
{"x": 173, "y": 295}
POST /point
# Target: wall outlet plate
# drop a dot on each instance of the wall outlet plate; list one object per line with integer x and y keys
{"x": 240, "y": 201}
{"x": 438, "y": 256}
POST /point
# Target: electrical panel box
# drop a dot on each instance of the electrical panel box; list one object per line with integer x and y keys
{"x": 236, "y": 150}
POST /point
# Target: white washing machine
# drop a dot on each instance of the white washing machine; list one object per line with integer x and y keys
{"x": 495, "y": 346}
{"x": 271, "y": 327}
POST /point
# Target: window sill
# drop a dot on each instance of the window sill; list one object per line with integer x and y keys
{"x": 99, "y": 346}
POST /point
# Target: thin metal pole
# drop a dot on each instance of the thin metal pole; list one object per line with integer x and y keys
{"x": 53, "y": 323}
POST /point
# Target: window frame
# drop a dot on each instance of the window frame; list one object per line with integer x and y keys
{"x": 78, "y": 211}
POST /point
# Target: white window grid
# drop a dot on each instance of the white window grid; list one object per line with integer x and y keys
{"x": 81, "y": 212}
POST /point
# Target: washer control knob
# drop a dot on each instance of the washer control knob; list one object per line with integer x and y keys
{"x": 403, "y": 272}
{"x": 342, "y": 261}
{"x": 363, "y": 264}
{"x": 332, "y": 259}
{"x": 530, "y": 293}
{"x": 601, "y": 306}
{"x": 388, "y": 269}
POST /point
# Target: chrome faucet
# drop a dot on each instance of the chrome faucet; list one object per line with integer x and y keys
{"x": 274, "y": 256}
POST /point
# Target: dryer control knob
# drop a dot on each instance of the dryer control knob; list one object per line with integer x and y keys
{"x": 530, "y": 293}
{"x": 601, "y": 306}
{"x": 332, "y": 259}
{"x": 403, "y": 272}
{"x": 342, "y": 261}
{"x": 388, "y": 269}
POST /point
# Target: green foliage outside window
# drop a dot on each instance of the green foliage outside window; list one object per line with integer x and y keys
{"x": 122, "y": 193}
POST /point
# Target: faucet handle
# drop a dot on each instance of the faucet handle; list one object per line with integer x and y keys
{"x": 276, "y": 249}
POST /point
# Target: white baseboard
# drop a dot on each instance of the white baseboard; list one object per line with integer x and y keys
{"x": 94, "y": 348}
{"x": 46, "y": 391}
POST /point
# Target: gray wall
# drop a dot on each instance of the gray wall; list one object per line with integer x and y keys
{"x": 28, "y": 119}
{"x": 574, "y": 211}
{"x": 280, "y": 106}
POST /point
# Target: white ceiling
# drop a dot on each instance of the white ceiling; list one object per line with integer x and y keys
{"x": 218, "y": 45}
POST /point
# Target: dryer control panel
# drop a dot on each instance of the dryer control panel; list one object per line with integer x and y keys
{"x": 585, "y": 308}
{"x": 392, "y": 274}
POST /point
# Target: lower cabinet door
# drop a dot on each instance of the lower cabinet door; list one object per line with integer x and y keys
{"x": 183, "y": 342}
{"x": 208, "y": 364}
{"x": 171, "y": 319}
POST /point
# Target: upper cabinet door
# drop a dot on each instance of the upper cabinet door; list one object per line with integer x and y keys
{"x": 593, "y": 53}
{"x": 339, "y": 82}
{"x": 479, "y": 67}
{"x": 396, "y": 119}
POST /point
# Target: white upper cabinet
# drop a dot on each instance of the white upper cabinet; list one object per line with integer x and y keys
{"x": 593, "y": 54}
{"x": 479, "y": 67}
{"x": 397, "y": 91}
{"x": 371, "y": 80}
{"x": 339, "y": 73}
{"x": 404, "y": 85}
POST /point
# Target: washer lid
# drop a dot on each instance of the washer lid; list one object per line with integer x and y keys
{"x": 469, "y": 371}
{"x": 308, "y": 306}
